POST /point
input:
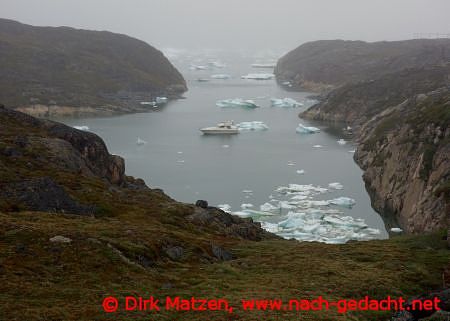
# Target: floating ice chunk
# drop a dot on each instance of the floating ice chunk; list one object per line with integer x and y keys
{"x": 286, "y": 205}
{"x": 216, "y": 64}
{"x": 299, "y": 197}
{"x": 304, "y": 189}
{"x": 221, "y": 76}
{"x": 198, "y": 67}
{"x": 291, "y": 163}
{"x": 246, "y": 206}
{"x": 317, "y": 146}
{"x": 236, "y": 102}
{"x": 301, "y": 171}
{"x": 225, "y": 146}
{"x": 84, "y": 128}
{"x": 150, "y": 103}
{"x": 252, "y": 213}
{"x": 352, "y": 151}
{"x": 258, "y": 76}
{"x": 267, "y": 207}
{"x": 336, "y": 185}
{"x": 140, "y": 141}
{"x": 270, "y": 227}
{"x": 396, "y": 230}
{"x": 247, "y": 191}
{"x": 341, "y": 141}
{"x": 179, "y": 152}
{"x": 161, "y": 100}
{"x": 285, "y": 102}
{"x": 180, "y": 161}
{"x": 252, "y": 125}
{"x": 343, "y": 201}
{"x": 270, "y": 65}
{"x": 306, "y": 130}
{"x": 225, "y": 207}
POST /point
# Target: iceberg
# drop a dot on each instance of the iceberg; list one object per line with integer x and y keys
{"x": 225, "y": 207}
{"x": 83, "y": 128}
{"x": 270, "y": 65}
{"x": 306, "y": 130}
{"x": 258, "y": 76}
{"x": 221, "y": 76}
{"x": 161, "y": 100}
{"x": 252, "y": 125}
{"x": 270, "y": 227}
{"x": 237, "y": 102}
{"x": 285, "y": 102}
{"x": 343, "y": 201}
{"x": 341, "y": 142}
{"x": 267, "y": 207}
{"x": 301, "y": 171}
{"x": 140, "y": 141}
{"x": 336, "y": 186}
{"x": 317, "y": 146}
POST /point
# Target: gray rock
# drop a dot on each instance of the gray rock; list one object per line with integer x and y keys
{"x": 60, "y": 239}
{"x": 221, "y": 253}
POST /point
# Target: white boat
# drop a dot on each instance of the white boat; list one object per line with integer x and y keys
{"x": 224, "y": 128}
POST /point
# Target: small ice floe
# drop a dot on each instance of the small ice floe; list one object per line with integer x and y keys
{"x": 180, "y": 161}
{"x": 161, "y": 100}
{"x": 247, "y": 191}
{"x": 336, "y": 186}
{"x": 198, "y": 67}
{"x": 246, "y": 206}
{"x": 179, "y": 152}
{"x": 221, "y": 76}
{"x": 396, "y": 230}
{"x": 83, "y": 128}
{"x": 300, "y": 171}
{"x": 258, "y": 76}
{"x": 285, "y": 102}
{"x": 352, "y": 151}
{"x": 225, "y": 146}
{"x": 252, "y": 213}
{"x": 202, "y": 79}
{"x": 306, "y": 130}
{"x": 225, "y": 207}
{"x": 317, "y": 146}
{"x": 236, "y": 102}
{"x": 267, "y": 207}
{"x": 301, "y": 189}
{"x": 291, "y": 163}
{"x": 341, "y": 141}
{"x": 343, "y": 201}
{"x": 269, "y": 65}
{"x": 140, "y": 142}
{"x": 252, "y": 125}
{"x": 149, "y": 103}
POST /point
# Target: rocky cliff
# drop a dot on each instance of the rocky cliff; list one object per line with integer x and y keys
{"x": 326, "y": 64}
{"x": 96, "y": 72}
{"x": 404, "y": 152}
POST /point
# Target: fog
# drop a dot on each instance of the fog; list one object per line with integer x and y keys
{"x": 240, "y": 24}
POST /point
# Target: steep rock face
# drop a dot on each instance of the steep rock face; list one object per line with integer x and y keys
{"x": 404, "y": 152}
{"x": 46, "y": 67}
{"x": 322, "y": 65}
{"x": 356, "y": 103}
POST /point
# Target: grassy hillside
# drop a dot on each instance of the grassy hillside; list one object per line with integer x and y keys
{"x": 327, "y": 64}
{"x": 69, "y": 67}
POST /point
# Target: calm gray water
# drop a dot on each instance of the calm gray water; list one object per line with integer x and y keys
{"x": 189, "y": 166}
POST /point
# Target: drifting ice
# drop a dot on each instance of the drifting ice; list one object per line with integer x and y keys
{"x": 341, "y": 142}
{"x": 343, "y": 201}
{"x": 252, "y": 125}
{"x": 267, "y": 207}
{"x": 258, "y": 76}
{"x": 140, "y": 141}
{"x": 285, "y": 102}
{"x": 237, "y": 102}
{"x": 161, "y": 100}
{"x": 301, "y": 171}
{"x": 396, "y": 230}
{"x": 225, "y": 207}
{"x": 221, "y": 76}
{"x": 306, "y": 130}
{"x": 336, "y": 185}
{"x": 84, "y": 128}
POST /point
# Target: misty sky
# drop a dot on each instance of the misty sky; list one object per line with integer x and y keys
{"x": 245, "y": 24}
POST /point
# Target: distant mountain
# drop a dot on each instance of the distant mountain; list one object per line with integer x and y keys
{"x": 79, "y": 68}
{"x": 326, "y": 64}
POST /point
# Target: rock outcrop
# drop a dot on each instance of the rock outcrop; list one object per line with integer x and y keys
{"x": 404, "y": 152}
{"x": 327, "y": 64}
{"x": 47, "y": 70}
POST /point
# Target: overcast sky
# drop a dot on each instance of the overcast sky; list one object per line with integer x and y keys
{"x": 247, "y": 24}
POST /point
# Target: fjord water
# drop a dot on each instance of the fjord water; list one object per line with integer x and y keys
{"x": 189, "y": 166}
